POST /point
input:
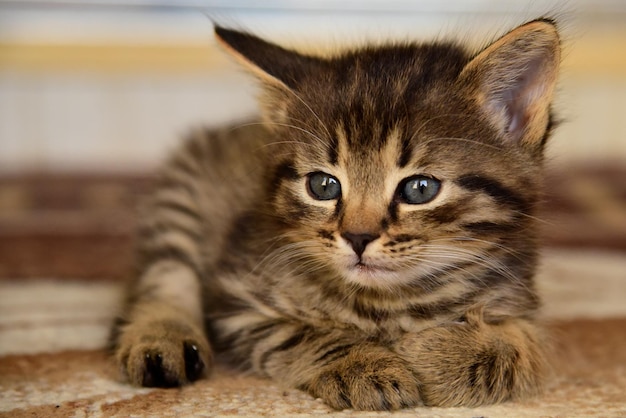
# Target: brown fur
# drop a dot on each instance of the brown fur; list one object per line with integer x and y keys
{"x": 366, "y": 296}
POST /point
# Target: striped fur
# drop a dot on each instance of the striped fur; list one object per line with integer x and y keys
{"x": 366, "y": 299}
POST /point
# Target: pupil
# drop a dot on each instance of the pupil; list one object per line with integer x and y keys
{"x": 422, "y": 184}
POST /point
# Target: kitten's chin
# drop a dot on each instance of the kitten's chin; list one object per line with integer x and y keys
{"x": 372, "y": 276}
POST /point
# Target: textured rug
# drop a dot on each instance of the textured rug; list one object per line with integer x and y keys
{"x": 52, "y": 363}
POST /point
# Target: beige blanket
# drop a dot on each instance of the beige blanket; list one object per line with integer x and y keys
{"x": 52, "y": 363}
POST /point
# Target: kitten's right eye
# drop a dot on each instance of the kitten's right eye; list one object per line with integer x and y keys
{"x": 323, "y": 186}
{"x": 418, "y": 190}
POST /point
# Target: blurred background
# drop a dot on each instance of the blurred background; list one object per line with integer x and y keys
{"x": 94, "y": 93}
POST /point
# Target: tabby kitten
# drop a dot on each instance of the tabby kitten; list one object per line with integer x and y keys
{"x": 371, "y": 241}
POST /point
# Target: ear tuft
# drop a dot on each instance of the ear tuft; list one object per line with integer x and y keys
{"x": 514, "y": 80}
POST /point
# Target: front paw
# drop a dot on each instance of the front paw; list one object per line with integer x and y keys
{"x": 475, "y": 363}
{"x": 163, "y": 353}
{"x": 370, "y": 378}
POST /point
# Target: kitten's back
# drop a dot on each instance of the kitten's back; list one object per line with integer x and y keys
{"x": 219, "y": 174}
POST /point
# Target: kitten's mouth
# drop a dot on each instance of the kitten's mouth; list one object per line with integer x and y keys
{"x": 371, "y": 275}
{"x": 370, "y": 269}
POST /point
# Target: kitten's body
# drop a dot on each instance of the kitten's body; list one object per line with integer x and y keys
{"x": 371, "y": 242}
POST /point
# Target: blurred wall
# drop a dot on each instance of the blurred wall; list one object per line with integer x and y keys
{"x": 105, "y": 85}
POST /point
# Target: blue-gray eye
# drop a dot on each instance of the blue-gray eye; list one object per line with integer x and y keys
{"x": 417, "y": 190}
{"x": 323, "y": 186}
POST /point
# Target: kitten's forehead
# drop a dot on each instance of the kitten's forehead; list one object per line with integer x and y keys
{"x": 374, "y": 95}
{"x": 381, "y": 83}
{"x": 366, "y": 167}
{"x": 375, "y": 145}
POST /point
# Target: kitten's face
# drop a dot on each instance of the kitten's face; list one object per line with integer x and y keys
{"x": 385, "y": 203}
{"x": 409, "y": 164}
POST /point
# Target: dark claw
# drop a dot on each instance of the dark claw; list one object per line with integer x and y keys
{"x": 154, "y": 375}
{"x": 153, "y": 372}
{"x": 194, "y": 365}
{"x": 384, "y": 403}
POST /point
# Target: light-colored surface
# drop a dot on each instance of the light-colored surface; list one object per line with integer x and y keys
{"x": 582, "y": 284}
{"x": 38, "y": 316}
{"x": 97, "y": 122}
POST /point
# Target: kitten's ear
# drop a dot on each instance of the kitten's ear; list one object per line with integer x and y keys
{"x": 274, "y": 65}
{"x": 514, "y": 80}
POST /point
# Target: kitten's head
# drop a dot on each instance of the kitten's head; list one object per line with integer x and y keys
{"x": 409, "y": 164}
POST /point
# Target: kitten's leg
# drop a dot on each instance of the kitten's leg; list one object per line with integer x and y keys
{"x": 344, "y": 369}
{"x": 160, "y": 340}
{"x": 474, "y": 363}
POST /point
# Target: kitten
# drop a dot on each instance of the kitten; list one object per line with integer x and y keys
{"x": 371, "y": 242}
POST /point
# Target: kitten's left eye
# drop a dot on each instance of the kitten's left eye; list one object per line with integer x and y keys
{"x": 323, "y": 186}
{"x": 417, "y": 190}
